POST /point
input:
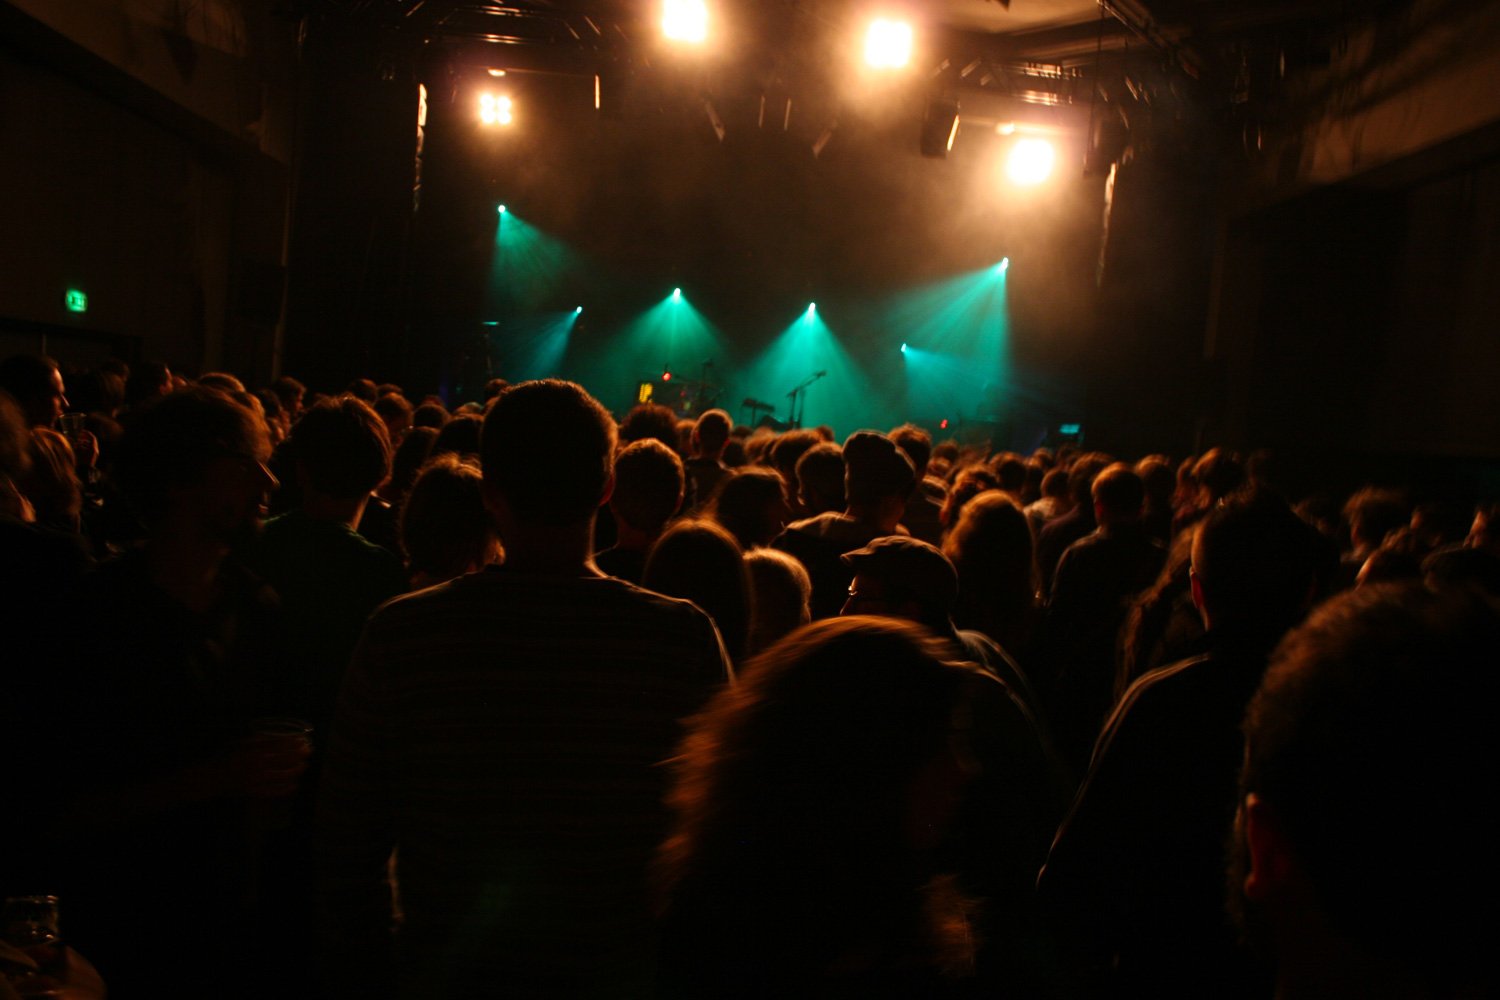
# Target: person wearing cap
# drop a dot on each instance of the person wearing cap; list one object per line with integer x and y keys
{"x": 878, "y": 479}
{"x": 1006, "y": 823}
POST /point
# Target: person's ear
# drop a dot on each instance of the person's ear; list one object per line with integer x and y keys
{"x": 1269, "y": 871}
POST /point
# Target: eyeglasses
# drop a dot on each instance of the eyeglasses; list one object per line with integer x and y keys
{"x": 250, "y": 464}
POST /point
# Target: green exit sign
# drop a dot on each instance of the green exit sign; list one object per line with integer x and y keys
{"x": 76, "y": 301}
{"x": 1069, "y": 428}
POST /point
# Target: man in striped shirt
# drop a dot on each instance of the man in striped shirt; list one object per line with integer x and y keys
{"x": 501, "y": 736}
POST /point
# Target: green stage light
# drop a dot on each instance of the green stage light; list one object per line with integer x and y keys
{"x": 956, "y": 331}
{"x": 527, "y": 268}
{"x": 844, "y": 397}
{"x": 1004, "y": 265}
{"x": 669, "y": 336}
{"x": 577, "y": 310}
{"x": 502, "y": 209}
{"x": 532, "y": 346}
{"x": 812, "y": 307}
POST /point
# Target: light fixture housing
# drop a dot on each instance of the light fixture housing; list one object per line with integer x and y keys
{"x": 685, "y": 21}
{"x": 496, "y": 109}
{"x": 1030, "y": 161}
{"x": 939, "y": 127}
{"x": 888, "y": 44}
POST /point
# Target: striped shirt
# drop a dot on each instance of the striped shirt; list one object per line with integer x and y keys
{"x": 503, "y": 735}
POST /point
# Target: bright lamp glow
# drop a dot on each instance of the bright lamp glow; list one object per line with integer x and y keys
{"x": 812, "y": 307}
{"x": 495, "y": 109}
{"x": 888, "y": 44}
{"x": 676, "y": 295}
{"x": 502, "y": 209}
{"x": 1004, "y": 265}
{"x": 685, "y": 20}
{"x": 1030, "y": 161}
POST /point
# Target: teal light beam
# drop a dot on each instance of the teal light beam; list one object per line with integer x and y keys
{"x": 671, "y": 333}
{"x": 527, "y": 266}
{"x": 845, "y": 398}
{"x": 532, "y": 346}
{"x": 955, "y": 338}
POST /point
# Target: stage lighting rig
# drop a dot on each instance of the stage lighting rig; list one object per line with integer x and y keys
{"x": 685, "y": 20}
{"x": 888, "y": 44}
{"x": 496, "y": 109}
{"x": 939, "y": 127}
{"x": 1030, "y": 161}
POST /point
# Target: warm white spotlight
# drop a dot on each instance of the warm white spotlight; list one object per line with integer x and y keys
{"x": 497, "y": 72}
{"x": 1005, "y": 128}
{"x": 888, "y": 44}
{"x": 495, "y": 109}
{"x": 685, "y": 20}
{"x": 1030, "y": 161}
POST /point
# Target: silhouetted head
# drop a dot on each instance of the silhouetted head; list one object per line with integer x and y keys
{"x": 1256, "y": 563}
{"x": 340, "y": 448}
{"x": 752, "y": 505}
{"x": 548, "y": 450}
{"x": 1118, "y": 495}
{"x": 700, "y": 561}
{"x": 780, "y": 590}
{"x": 875, "y": 470}
{"x": 917, "y": 444}
{"x": 649, "y": 485}
{"x": 711, "y": 433}
{"x": 650, "y": 420}
{"x": 459, "y": 435}
{"x": 807, "y": 798}
{"x": 197, "y": 458}
{"x": 445, "y": 529}
{"x": 1367, "y": 798}
{"x": 36, "y": 384}
{"x": 820, "y": 478}
{"x": 902, "y": 577}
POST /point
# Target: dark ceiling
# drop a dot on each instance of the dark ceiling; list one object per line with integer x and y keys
{"x": 968, "y": 43}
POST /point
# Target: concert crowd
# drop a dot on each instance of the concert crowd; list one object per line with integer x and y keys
{"x": 359, "y": 695}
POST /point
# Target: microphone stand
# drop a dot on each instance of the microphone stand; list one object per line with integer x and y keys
{"x": 798, "y": 396}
